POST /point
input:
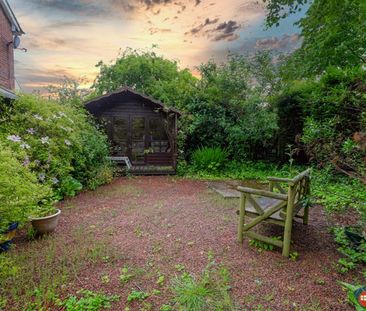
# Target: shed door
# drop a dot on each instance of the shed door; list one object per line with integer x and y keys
{"x": 137, "y": 149}
{"x": 120, "y": 136}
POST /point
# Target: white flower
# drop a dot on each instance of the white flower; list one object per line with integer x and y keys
{"x": 37, "y": 116}
{"x": 45, "y": 140}
{"x": 26, "y": 161}
{"x": 25, "y": 146}
{"x": 67, "y": 142}
{"x": 14, "y": 138}
{"x": 61, "y": 114}
{"x": 31, "y": 131}
{"x": 54, "y": 180}
{"x": 42, "y": 176}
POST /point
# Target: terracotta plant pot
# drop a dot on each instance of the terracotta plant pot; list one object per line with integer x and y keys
{"x": 8, "y": 236}
{"x": 47, "y": 224}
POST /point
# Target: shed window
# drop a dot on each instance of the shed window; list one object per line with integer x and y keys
{"x": 158, "y": 138}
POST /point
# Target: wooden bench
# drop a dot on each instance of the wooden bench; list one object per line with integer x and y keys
{"x": 278, "y": 207}
{"x": 126, "y": 160}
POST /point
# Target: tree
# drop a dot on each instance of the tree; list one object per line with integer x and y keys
{"x": 333, "y": 33}
{"x": 148, "y": 73}
{"x": 230, "y": 111}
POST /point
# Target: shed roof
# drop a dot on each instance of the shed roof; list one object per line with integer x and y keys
{"x": 11, "y": 17}
{"x": 125, "y": 89}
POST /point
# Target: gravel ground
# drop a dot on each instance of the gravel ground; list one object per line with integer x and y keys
{"x": 155, "y": 223}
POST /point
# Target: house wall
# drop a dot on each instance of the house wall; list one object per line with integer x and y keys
{"x": 6, "y": 53}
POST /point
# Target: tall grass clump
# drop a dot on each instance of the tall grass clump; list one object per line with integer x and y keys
{"x": 209, "y": 159}
{"x": 209, "y": 291}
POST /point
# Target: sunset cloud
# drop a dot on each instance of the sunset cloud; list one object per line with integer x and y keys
{"x": 68, "y": 37}
{"x": 278, "y": 43}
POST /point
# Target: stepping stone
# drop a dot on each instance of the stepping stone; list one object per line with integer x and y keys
{"x": 225, "y": 190}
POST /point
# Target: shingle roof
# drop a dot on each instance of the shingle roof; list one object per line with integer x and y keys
{"x": 126, "y": 89}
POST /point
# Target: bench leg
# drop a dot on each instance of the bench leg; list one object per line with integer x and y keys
{"x": 288, "y": 223}
{"x": 241, "y": 218}
{"x": 287, "y": 238}
{"x": 305, "y": 219}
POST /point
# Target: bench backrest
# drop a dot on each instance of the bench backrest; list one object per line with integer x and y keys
{"x": 299, "y": 189}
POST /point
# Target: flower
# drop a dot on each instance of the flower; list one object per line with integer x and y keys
{"x": 62, "y": 114}
{"x": 45, "y": 140}
{"x": 42, "y": 176}
{"x": 31, "y": 131}
{"x": 54, "y": 180}
{"x": 14, "y": 138}
{"x": 26, "y": 161}
{"x": 25, "y": 146}
{"x": 37, "y": 116}
{"x": 67, "y": 142}
{"x": 37, "y": 162}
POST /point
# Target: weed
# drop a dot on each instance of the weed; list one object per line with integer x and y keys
{"x": 88, "y": 301}
{"x": 294, "y": 256}
{"x": 137, "y": 295}
{"x": 125, "y": 276}
{"x": 105, "y": 279}
{"x": 161, "y": 280}
{"x": 262, "y": 246}
{"x": 207, "y": 292}
{"x": 138, "y": 231}
{"x": 179, "y": 267}
{"x": 319, "y": 281}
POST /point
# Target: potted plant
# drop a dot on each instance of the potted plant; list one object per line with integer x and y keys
{"x": 45, "y": 218}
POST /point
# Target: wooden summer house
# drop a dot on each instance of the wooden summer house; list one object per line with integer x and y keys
{"x": 140, "y": 128}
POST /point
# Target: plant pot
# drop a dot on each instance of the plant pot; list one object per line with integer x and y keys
{"x": 7, "y": 237}
{"x": 48, "y": 224}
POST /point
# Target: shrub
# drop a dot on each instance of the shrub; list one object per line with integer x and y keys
{"x": 209, "y": 159}
{"x": 19, "y": 190}
{"x": 57, "y": 142}
{"x": 354, "y": 254}
{"x": 328, "y": 114}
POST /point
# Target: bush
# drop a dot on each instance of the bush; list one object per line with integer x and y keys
{"x": 328, "y": 114}
{"x": 19, "y": 190}
{"x": 57, "y": 142}
{"x": 209, "y": 159}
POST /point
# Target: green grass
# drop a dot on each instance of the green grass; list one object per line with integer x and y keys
{"x": 46, "y": 267}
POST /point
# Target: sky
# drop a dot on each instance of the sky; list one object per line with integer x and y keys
{"x": 69, "y": 37}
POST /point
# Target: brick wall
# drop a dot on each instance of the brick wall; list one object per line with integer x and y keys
{"x": 6, "y": 53}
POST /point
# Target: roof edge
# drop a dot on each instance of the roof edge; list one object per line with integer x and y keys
{"x": 12, "y": 18}
{"x": 7, "y": 93}
{"x": 128, "y": 89}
